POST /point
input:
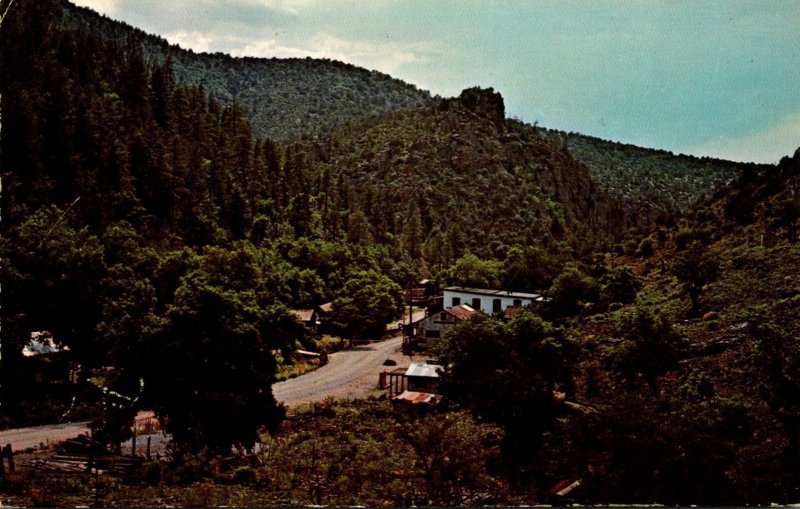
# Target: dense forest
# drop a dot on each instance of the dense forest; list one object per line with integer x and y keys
{"x": 162, "y": 215}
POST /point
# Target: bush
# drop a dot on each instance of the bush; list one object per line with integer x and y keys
{"x": 202, "y": 495}
{"x": 571, "y": 291}
{"x": 620, "y": 285}
{"x": 649, "y": 348}
{"x": 645, "y": 249}
{"x": 629, "y": 247}
{"x": 245, "y": 475}
{"x": 683, "y": 237}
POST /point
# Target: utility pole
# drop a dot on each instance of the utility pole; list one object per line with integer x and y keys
{"x": 2, "y": 18}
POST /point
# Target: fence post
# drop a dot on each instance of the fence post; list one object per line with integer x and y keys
{"x": 10, "y": 455}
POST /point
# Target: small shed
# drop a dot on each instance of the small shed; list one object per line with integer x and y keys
{"x": 307, "y": 316}
{"x": 422, "y": 377}
{"x": 418, "y": 398}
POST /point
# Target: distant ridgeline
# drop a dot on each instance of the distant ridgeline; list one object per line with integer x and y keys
{"x": 289, "y": 98}
{"x": 659, "y": 178}
{"x": 96, "y": 128}
{"x": 284, "y": 98}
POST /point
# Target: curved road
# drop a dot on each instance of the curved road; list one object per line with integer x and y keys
{"x": 349, "y": 373}
{"x": 345, "y": 371}
{"x": 26, "y": 438}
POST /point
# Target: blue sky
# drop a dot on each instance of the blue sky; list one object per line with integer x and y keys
{"x": 718, "y": 78}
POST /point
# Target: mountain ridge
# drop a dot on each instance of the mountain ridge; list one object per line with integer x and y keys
{"x": 318, "y": 95}
{"x": 286, "y": 98}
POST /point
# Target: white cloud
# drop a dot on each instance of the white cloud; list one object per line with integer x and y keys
{"x": 107, "y": 7}
{"x": 195, "y": 41}
{"x": 386, "y": 56}
{"x": 766, "y": 146}
{"x": 286, "y": 6}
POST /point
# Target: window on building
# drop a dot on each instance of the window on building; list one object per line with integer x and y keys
{"x": 517, "y": 302}
{"x": 476, "y": 303}
{"x": 443, "y": 317}
{"x": 456, "y": 301}
{"x": 497, "y": 305}
{"x": 433, "y": 334}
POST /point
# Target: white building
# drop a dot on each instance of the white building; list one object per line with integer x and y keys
{"x": 488, "y": 301}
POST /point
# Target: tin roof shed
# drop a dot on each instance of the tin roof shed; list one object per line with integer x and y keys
{"x": 417, "y": 398}
{"x": 423, "y": 370}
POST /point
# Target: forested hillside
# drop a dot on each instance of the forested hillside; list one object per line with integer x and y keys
{"x": 434, "y": 182}
{"x": 659, "y": 178}
{"x": 125, "y": 192}
{"x": 135, "y": 230}
{"x": 284, "y": 98}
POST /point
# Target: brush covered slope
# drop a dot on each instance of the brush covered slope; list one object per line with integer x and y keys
{"x": 666, "y": 181}
{"x": 690, "y": 390}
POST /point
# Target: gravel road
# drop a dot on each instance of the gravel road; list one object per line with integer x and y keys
{"x": 25, "y": 438}
{"x": 348, "y": 374}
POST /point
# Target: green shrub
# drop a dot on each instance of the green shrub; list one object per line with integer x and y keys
{"x": 683, "y": 237}
{"x": 629, "y": 247}
{"x": 645, "y": 249}
{"x": 245, "y": 475}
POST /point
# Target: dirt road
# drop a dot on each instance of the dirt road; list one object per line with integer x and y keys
{"x": 25, "y": 438}
{"x": 349, "y": 374}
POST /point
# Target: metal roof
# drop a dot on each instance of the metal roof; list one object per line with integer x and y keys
{"x": 41, "y": 343}
{"x": 424, "y": 370}
{"x": 305, "y": 315}
{"x": 461, "y": 311}
{"x": 418, "y": 397}
{"x": 493, "y": 293}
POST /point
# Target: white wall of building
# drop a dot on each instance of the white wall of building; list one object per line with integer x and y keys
{"x": 487, "y": 299}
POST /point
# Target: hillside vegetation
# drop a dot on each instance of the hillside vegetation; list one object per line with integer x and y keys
{"x": 661, "y": 179}
{"x": 700, "y": 368}
{"x": 434, "y": 182}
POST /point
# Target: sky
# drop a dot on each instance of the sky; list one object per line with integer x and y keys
{"x": 716, "y": 78}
